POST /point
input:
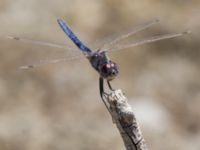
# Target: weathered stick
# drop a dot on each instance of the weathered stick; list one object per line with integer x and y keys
{"x": 125, "y": 120}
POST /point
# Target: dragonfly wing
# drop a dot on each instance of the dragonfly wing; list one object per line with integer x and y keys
{"x": 38, "y": 42}
{"x": 149, "y": 40}
{"x": 47, "y": 61}
{"x": 136, "y": 30}
{"x": 73, "y": 37}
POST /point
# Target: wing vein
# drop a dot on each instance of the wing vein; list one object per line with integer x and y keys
{"x": 140, "y": 28}
{"x": 149, "y": 40}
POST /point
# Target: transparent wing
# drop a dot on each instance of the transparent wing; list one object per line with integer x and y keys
{"x": 148, "y": 40}
{"x": 71, "y": 53}
{"x": 116, "y": 48}
{"x": 47, "y": 62}
{"x": 38, "y": 42}
{"x": 136, "y": 30}
{"x": 67, "y": 47}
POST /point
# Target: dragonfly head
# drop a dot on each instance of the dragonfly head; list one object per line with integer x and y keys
{"x": 109, "y": 70}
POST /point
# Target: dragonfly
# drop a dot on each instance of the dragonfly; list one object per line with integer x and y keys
{"x": 99, "y": 60}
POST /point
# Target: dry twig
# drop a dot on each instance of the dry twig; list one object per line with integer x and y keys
{"x": 125, "y": 120}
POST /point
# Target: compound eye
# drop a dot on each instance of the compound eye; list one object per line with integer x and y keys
{"x": 105, "y": 69}
{"x": 112, "y": 65}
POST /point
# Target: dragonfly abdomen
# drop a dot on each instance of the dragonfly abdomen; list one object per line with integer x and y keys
{"x": 73, "y": 37}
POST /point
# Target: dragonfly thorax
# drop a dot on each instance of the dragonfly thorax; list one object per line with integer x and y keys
{"x": 102, "y": 64}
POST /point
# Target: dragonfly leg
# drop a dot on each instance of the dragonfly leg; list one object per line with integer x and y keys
{"x": 109, "y": 85}
{"x": 101, "y": 86}
{"x": 103, "y": 94}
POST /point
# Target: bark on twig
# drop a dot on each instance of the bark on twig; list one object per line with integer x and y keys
{"x": 125, "y": 120}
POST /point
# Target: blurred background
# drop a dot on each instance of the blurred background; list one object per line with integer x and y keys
{"x": 58, "y": 107}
